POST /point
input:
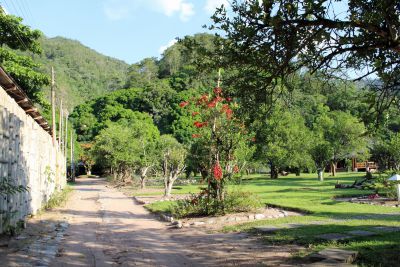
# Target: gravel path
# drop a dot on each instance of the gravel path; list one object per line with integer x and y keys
{"x": 106, "y": 228}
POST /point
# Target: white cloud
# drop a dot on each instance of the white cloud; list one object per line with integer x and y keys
{"x": 211, "y": 5}
{"x": 165, "y": 47}
{"x": 169, "y": 8}
{"x": 122, "y": 9}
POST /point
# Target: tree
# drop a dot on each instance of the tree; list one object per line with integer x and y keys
{"x": 146, "y": 136}
{"x": 113, "y": 148}
{"x": 345, "y": 134}
{"x": 386, "y": 152}
{"x": 283, "y": 141}
{"x": 173, "y": 156}
{"x": 219, "y": 135}
{"x": 321, "y": 152}
{"x": 142, "y": 74}
{"x": 86, "y": 157}
{"x": 267, "y": 41}
{"x": 16, "y": 36}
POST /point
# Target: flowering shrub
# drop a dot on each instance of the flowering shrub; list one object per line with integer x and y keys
{"x": 220, "y": 135}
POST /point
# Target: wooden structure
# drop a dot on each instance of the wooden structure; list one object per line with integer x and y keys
{"x": 363, "y": 165}
{"x": 20, "y": 97}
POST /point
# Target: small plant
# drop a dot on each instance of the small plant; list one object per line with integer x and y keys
{"x": 379, "y": 184}
{"x": 202, "y": 205}
{"x": 8, "y": 188}
{"x": 58, "y": 198}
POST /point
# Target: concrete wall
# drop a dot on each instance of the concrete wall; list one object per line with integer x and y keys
{"x": 27, "y": 158}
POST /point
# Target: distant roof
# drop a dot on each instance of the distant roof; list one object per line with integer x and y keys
{"x": 19, "y": 95}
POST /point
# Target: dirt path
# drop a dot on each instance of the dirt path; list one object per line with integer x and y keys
{"x": 106, "y": 228}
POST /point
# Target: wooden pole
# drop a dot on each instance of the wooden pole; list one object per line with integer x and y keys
{"x": 53, "y": 107}
{"x": 60, "y": 126}
{"x": 66, "y": 136}
{"x": 72, "y": 157}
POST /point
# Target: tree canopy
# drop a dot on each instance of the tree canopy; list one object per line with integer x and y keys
{"x": 266, "y": 42}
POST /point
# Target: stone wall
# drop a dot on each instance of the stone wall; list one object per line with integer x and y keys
{"x": 27, "y": 158}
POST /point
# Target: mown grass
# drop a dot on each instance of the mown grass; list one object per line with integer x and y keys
{"x": 316, "y": 200}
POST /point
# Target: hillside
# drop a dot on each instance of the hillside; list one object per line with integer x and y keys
{"x": 81, "y": 72}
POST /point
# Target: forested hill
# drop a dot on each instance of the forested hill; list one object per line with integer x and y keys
{"x": 81, "y": 72}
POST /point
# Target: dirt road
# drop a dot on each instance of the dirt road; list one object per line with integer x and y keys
{"x": 107, "y": 228}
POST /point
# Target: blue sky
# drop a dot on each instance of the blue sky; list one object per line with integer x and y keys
{"x": 125, "y": 29}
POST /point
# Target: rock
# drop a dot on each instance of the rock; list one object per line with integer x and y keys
{"x": 361, "y": 233}
{"x": 340, "y": 255}
{"x": 197, "y": 223}
{"x": 64, "y": 225}
{"x": 178, "y": 224}
{"x": 230, "y": 219}
{"x": 211, "y": 221}
{"x": 333, "y": 236}
{"x": 267, "y": 229}
{"x": 259, "y": 216}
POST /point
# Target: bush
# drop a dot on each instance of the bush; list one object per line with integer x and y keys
{"x": 201, "y": 205}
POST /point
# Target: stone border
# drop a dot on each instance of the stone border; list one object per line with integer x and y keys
{"x": 227, "y": 219}
{"x": 212, "y": 220}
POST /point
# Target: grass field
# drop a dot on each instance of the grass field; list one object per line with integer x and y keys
{"x": 316, "y": 200}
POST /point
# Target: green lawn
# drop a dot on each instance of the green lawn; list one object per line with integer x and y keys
{"x": 307, "y": 194}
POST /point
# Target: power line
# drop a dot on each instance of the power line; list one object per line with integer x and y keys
{"x": 17, "y": 33}
{"x": 22, "y": 13}
{"x": 26, "y": 7}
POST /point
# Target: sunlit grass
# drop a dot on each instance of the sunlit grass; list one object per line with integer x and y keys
{"x": 317, "y": 201}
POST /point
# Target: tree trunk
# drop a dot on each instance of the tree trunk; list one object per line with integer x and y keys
{"x": 168, "y": 189}
{"x": 333, "y": 168}
{"x": 143, "y": 175}
{"x": 274, "y": 172}
{"x": 320, "y": 174}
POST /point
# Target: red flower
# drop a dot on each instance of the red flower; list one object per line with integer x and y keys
{"x": 229, "y": 114}
{"x": 195, "y": 113}
{"x": 200, "y": 124}
{"x": 212, "y": 104}
{"x": 202, "y": 100}
{"x": 217, "y": 171}
{"x": 196, "y": 135}
{"x": 236, "y": 169}
{"x": 228, "y": 99}
{"x": 183, "y": 104}
{"x": 217, "y": 90}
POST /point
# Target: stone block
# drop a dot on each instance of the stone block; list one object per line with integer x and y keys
{"x": 267, "y": 229}
{"x": 259, "y": 216}
{"x": 333, "y": 236}
{"x": 361, "y": 233}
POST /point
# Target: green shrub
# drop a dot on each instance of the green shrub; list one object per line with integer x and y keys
{"x": 201, "y": 205}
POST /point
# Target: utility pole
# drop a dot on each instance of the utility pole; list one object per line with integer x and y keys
{"x": 53, "y": 107}
{"x": 66, "y": 135}
{"x": 60, "y": 127}
{"x": 72, "y": 157}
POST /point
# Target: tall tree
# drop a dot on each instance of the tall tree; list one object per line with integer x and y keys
{"x": 268, "y": 41}
{"x": 16, "y": 36}
{"x": 345, "y": 134}
{"x": 173, "y": 161}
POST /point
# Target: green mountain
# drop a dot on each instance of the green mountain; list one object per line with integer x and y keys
{"x": 81, "y": 73}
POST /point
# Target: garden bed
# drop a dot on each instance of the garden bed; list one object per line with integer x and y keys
{"x": 213, "y": 222}
{"x": 380, "y": 201}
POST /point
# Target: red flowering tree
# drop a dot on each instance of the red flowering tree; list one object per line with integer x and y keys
{"x": 220, "y": 134}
